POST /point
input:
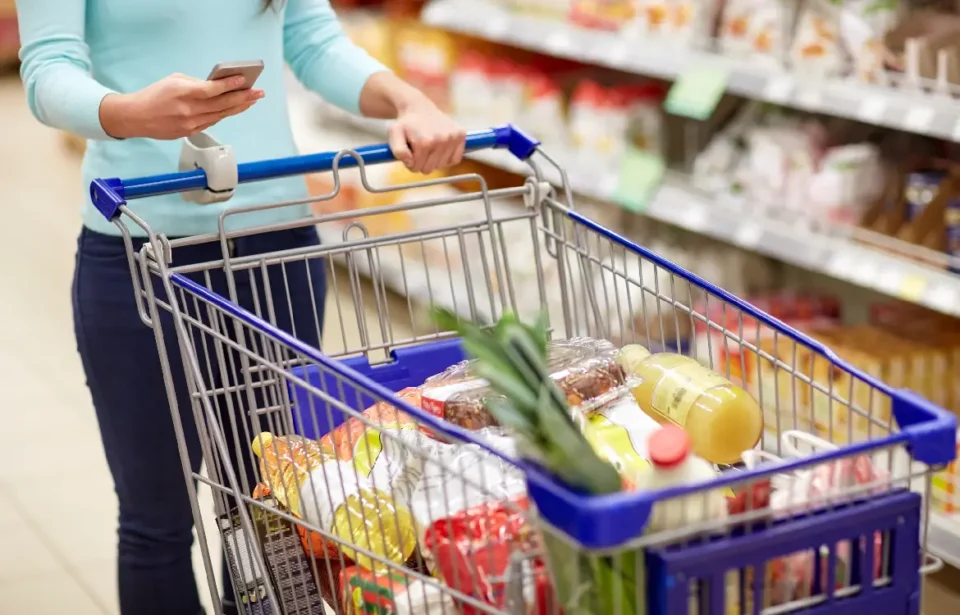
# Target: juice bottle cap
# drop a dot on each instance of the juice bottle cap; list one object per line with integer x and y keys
{"x": 668, "y": 446}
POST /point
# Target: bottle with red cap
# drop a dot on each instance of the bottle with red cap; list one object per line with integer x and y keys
{"x": 673, "y": 465}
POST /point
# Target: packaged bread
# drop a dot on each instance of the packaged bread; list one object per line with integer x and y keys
{"x": 395, "y": 592}
{"x": 584, "y": 369}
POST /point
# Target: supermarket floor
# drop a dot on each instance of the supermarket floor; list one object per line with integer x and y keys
{"x": 57, "y": 506}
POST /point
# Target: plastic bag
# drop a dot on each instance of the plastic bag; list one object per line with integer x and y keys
{"x": 473, "y": 550}
{"x": 584, "y": 368}
{"x": 463, "y": 476}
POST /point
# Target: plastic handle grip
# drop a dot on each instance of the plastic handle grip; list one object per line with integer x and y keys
{"x": 108, "y": 195}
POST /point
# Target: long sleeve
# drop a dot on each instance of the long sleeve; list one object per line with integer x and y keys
{"x": 321, "y": 55}
{"x": 55, "y": 66}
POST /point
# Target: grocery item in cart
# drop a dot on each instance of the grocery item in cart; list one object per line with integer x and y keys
{"x": 461, "y": 476}
{"x": 584, "y": 368}
{"x": 360, "y": 511}
{"x": 394, "y": 592}
{"x": 722, "y": 419}
{"x": 475, "y": 550}
{"x": 673, "y": 465}
{"x": 618, "y": 431}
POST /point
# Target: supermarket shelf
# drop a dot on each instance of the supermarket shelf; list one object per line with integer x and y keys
{"x": 944, "y": 538}
{"x": 903, "y": 109}
{"x": 679, "y": 204}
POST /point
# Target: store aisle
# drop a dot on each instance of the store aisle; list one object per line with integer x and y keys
{"x": 57, "y": 507}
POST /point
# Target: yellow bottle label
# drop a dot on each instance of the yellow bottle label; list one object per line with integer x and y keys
{"x": 612, "y": 442}
{"x": 683, "y": 382}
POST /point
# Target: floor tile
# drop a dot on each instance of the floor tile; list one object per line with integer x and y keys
{"x": 54, "y": 594}
{"x": 25, "y": 554}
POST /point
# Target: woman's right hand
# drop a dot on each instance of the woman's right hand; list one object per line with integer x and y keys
{"x": 174, "y": 107}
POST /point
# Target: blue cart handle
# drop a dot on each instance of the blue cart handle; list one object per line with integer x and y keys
{"x": 109, "y": 194}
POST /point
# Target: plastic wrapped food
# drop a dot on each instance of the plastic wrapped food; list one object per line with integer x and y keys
{"x": 618, "y": 430}
{"x": 473, "y": 551}
{"x": 584, "y": 368}
{"x": 391, "y": 593}
{"x": 354, "y": 483}
{"x": 462, "y": 476}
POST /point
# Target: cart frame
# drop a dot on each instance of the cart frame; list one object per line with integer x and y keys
{"x": 297, "y": 389}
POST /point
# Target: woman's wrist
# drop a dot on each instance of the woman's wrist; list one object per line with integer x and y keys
{"x": 115, "y": 116}
{"x": 386, "y": 96}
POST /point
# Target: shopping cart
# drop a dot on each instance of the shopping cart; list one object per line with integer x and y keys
{"x": 541, "y": 548}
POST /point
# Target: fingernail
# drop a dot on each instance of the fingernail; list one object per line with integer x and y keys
{"x": 256, "y": 94}
{"x": 239, "y": 82}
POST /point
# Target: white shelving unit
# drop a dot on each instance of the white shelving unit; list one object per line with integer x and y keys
{"x": 739, "y": 223}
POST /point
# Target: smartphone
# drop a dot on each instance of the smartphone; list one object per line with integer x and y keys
{"x": 249, "y": 70}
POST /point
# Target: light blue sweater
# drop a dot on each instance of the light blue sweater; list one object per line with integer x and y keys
{"x": 75, "y": 52}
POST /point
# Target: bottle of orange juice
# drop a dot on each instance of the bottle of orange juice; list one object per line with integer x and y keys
{"x": 314, "y": 485}
{"x": 722, "y": 419}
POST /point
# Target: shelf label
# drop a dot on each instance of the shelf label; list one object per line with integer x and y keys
{"x": 558, "y": 42}
{"x": 697, "y": 91}
{"x": 944, "y": 299}
{"x": 810, "y": 98}
{"x": 956, "y": 131}
{"x": 748, "y": 235}
{"x": 872, "y": 109}
{"x": 778, "y": 89}
{"x": 641, "y": 174}
{"x": 694, "y": 217}
{"x": 841, "y": 264}
{"x": 918, "y": 119}
{"x": 911, "y": 288}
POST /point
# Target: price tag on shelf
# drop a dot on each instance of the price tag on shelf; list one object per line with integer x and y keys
{"x": 945, "y": 299}
{"x": 778, "y": 89}
{"x": 558, "y": 42}
{"x": 918, "y": 119}
{"x": 640, "y": 176}
{"x": 956, "y": 131}
{"x": 867, "y": 272}
{"x": 697, "y": 91}
{"x": 810, "y": 98}
{"x": 911, "y": 288}
{"x": 841, "y": 265}
{"x": 872, "y": 109}
{"x": 496, "y": 26}
{"x": 693, "y": 217}
{"x": 748, "y": 235}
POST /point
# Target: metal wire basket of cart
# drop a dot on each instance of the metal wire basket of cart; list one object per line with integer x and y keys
{"x": 357, "y": 477}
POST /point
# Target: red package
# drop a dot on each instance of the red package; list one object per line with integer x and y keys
{"x": 472, "y": 550}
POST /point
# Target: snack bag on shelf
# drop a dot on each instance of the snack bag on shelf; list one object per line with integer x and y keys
{"x": 471, "y": 91}
{"x": 863, "y": 26}
{"x": 584, "y": 368}
{"x": 543, "y": 112}
{"x": 755, "y": 28}
{"x": 610, "y": 15}
{"x": 392, "y": 592}
{"x": 848, "y": 182}
{"x": 475, "y": 551}
{"x": 816, "y": 48}
{"x": 678, "y": 22}
{"x": 463, "y": 476}
{"x": 425, "y": 59}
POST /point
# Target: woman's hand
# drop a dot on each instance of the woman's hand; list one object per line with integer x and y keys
{"x": 174, "y": 107}
{"x": 426, "y": 139}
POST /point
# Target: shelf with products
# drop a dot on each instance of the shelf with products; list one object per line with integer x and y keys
{"x": 734, "y": 220}
{"x": 919, "y": 99}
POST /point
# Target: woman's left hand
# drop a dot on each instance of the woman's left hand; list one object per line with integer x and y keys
{"x": 426, "y": 139}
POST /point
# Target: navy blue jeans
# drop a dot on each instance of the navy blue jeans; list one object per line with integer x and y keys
{"x": 122, "y": 366}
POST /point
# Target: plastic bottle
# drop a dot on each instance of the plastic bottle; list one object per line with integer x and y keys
{"x": 722, "y": 419}
{"x": 673, "y": 465}
{"x": 317, "y": 487}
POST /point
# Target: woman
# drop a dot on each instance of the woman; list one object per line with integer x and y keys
{"x": 128, "y": 76}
